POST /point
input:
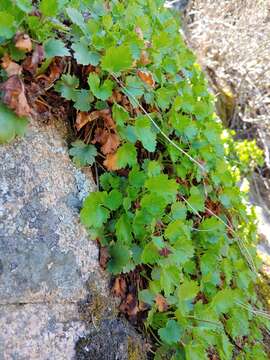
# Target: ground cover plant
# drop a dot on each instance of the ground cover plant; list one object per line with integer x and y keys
{"x": 172, "y": 224}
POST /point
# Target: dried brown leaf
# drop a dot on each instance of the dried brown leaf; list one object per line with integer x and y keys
{"x": 14, "y": 96}
{"x": 161, "y": 303}
{"x": 32, "y": 61}
{"x": 120, "y": 287}
{"x": 23, "y": 42}
{"x": 101, "y": 136}
{"x": 10, "y": 66}
{"x": 103, "y": 256}
{"x": 82, "y": 119}
{"x": 111, "y": 144}
{"x": 130, "y": 305}
{"x": 111, "y": 162}
{"x": 146, "y": 77}
{"x": 144, "y": 59}
{"x": 55, "y": 69}
{"x": 107, "y": 118}
{"x": 165, "y": 252}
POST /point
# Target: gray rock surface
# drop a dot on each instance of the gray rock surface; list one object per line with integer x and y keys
{"x": 48, "y": 265}
{"x": 177, "y": 4}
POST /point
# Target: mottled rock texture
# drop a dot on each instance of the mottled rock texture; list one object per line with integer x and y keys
{"x": 48, "y": 265}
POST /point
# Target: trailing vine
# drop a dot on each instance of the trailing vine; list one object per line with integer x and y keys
{"x": 169, "y": 204}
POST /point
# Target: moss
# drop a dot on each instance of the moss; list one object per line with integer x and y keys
{"x": 98, "y": 306}
{"x": 263, "y": 289}
{"x": 225, "y": 105}
{"x": 135, "y": 351}
{"x": 225, "y": 97}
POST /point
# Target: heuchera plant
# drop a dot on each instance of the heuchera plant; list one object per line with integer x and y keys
{"x": 169, "y": 199}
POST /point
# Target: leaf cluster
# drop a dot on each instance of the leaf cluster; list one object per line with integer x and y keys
{"x": 185, "y": 224}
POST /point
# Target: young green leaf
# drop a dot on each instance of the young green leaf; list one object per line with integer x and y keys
{"x": 48, "y": 8}
{"x": 195, "y": 351}
{"x": 162, "y": 186}
{"x": 188, "y": 290}
{"x": 67, "y": 87}
{"x": 114, "y": 200}
{"x": 172, "y": 333}
{"x": 24, "y": 5}
{"x": 94, "y": 214}
{"x": 117, "y": 59}
{"x": 82, "y": 153}
{"x": 150, "y": 254}
{"x": 120, "y": 115}
{"x": 126, "y": 155}
{"x": 101, "y": 91}
{"x": 120, "y": 256}
{"x": 123, "y": 230}
{"x": 145, "y": 133}
{"x": 7, "y": 25}
{"x": 196, "y": 200}
{"x": 82, "y": 99}
{"x": 10, "y": 124}
{"x": 84, "y": 56}
{"x": 76, "y": 17}
{"x": 55, "y": 47}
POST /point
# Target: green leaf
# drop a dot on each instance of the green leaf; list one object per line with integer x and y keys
{"x": 82, "y": 99}
{"x": 120, "y": 115}
{"x": 77, "y": 18}
{"x": 136, "y": 178}
{"x": 7, "y": 25}
{"x": 177, "y": 230}
{"x": 94, "y": 214}
{"x": 152, "y": 168}
{"x": 24, "y": 5}
{"x": 185, "y": 126}
{"x": 145, "y": 133}
{"x": 164, "y": 97}
{"x": 169, "y": 279}
{"x": 10, "y": 124}
{"x": 84, "y": 56}
{"x": 134, "y": 87}
{"x": 120, "y": 256}
{"x": 178, "y": 211}
{"x": 102, "y": 92}
{"x": 196, "y": 200}
{"x": 82, "y": 153}
{"x": 172, "y": 333}
{"x": 150, "y": 254}
{"x": 123, "y": 230}
{"x": 126, "y": 155}
{"x": 109, "y": 180}
{"x": 117, "y": 59}
{"x": 212, "y": 230}
{"x": 238, "y": 323}
{"x": 55, "y": 47}
{"x": 224, "y": 300}
{"x": 195, "y": 351}
{"x": 162, "y": 186}
{"x": 146, "y": 296}
{"x": 153, "y": 204}
{"x": 188, "y": 290}
{"x": 183, "y": 250}
{"x": 67, "y": 87}
{"x": 114, "y": 200}
{"x": 48, "y": 8}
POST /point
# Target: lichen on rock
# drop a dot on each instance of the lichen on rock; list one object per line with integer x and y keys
{"x": 46, "y": 256}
